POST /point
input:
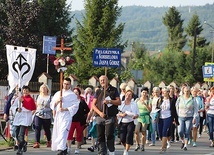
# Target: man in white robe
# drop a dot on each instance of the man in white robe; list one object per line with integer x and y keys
{"x": 63, "y": 116}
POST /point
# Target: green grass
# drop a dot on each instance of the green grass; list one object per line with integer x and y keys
{"x": 8, "y": 143}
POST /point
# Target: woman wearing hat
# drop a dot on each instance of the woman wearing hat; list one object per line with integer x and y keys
{"x": 128, "y": 112}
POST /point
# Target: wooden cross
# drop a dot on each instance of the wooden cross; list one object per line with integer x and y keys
{"x": 62, "y": 48}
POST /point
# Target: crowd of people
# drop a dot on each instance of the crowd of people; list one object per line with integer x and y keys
{"x": 167, "y": 114}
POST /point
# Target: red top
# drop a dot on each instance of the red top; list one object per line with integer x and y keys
{"x": 28, "y": 103}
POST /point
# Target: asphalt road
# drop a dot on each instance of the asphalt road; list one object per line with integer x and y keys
{"x": 201, "y": 149}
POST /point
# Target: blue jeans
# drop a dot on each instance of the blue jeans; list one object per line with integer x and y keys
{"x": 20, "y": 135}
{"x": 210, "y": 119}
{"x": 39, "y": 123}
{"x": 164, "y": 126}
{"x": 185, "y": 127}
{"x": 154, "y": 131}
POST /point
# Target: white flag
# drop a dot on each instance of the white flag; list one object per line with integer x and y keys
{"x": 21, "y": 64}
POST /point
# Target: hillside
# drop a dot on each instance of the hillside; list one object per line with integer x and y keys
{"x": 144, "y": 24}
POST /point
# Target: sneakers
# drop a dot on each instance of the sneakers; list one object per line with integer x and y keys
{"x": 190, "y": 141}
{"x": 36, "y": 145}
{"x": 15, "y": 147}
{"x": 111, "y": 153}
{"x": 185, "y": 148}
{"x": 77, "y": 151}
{"x": 19, "y": 152}
{"x": 24, "y": 149}
{"x": 194, "y": 144}
{"x": 60, "y": 152}
{"x": 68, "y": 150}
{"x": 118, "y": 143}
{"x": 142, "y": 148}
{"x": 168, "y": 145}
{"x": 152, "y": 144}
{"x": 48, "y": 144}
{"x": 162, "y": 150}
{"x": 91, "y": 148}
{"x": 182, "y": 145}
{"x": 199, "y": 136}
{"x": 125, "y": 152}
{"x": 211, "y": 144}
{"x": 137, "y": 147}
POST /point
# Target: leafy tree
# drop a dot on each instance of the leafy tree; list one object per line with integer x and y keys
{"x": 138, "y": 56}
{"x": 172, "y": 20}
{"x": 126, "y": 75}
{"x": 17, "y": 24}
{"x": 97, "y": 30}
{"x": 181, "y": 68}
{"x": 23, "y": 23}
{"x": 152, "y": 69}
{"x": 194, "y": 29}
{"x": 54, "y": 20}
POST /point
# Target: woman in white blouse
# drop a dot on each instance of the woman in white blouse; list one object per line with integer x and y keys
{"x": 128, "y": 112}
{"x": 167, "y": 115}
{"x": 43, "y": 115}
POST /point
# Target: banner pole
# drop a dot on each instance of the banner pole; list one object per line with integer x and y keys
{"x": 61, "y": 83}
{"x": 47, "y": 62}
{"x": 104, "y": 93}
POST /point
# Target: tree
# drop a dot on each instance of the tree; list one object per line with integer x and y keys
{"x": 24, "y": 23}
{"x": 172, "y": 20}
{"x": 194, "y": 29}
{"x": 17, "y": 24}
{"x": 97, "y": 30}
{"x": 54, "y": 20}
{"x": 138, "y": 56}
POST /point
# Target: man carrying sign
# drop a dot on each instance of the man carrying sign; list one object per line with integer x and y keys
{"x": 105, "y": 105}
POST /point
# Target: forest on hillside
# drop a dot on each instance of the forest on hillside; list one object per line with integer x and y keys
{"x": 144, "y": 24}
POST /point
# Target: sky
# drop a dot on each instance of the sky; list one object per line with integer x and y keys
{"x": 78, "y": 4}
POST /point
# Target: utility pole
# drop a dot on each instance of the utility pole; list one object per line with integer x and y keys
{"x": 194, "y": 52}
{"x": 205, "y": 22}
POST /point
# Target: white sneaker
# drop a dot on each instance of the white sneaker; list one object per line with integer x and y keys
{"x": 68, "y": 150}
{"x": 111, "y": 153}
{"x": 168, "y": 145}
{"x": 77, "y": 151}
{"x": 152, "y": 144}
{"x": 125, "y": 152}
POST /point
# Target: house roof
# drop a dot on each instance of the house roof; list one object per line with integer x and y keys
{"x": 126, "y": 54}
{"x": 73, "y": 77}
{"x": 132, "y": 79}
{"x": 116, "y": 79}
{"x": 95, "y": 77}
{"x": 46, "y": 74}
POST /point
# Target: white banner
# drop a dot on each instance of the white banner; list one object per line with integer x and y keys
{"x": 21, "y": 64}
